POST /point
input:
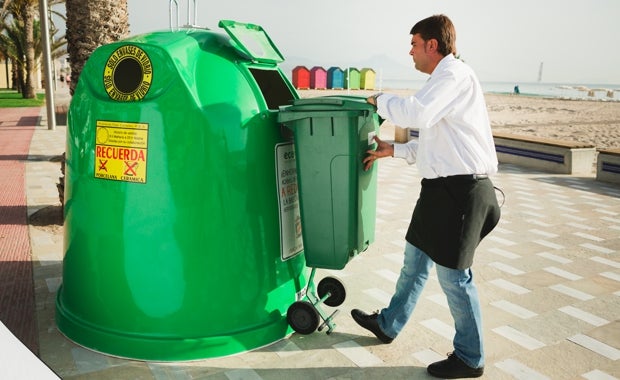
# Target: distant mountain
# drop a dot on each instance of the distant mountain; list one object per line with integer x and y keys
{"x": 391, "y": 69}
{"x": 382, "y": 64}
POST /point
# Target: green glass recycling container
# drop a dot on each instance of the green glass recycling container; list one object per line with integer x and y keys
{"x": 182, "y": 233}
{"x": 338, "y": 197}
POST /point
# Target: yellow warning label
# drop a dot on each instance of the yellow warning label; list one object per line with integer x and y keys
{"x": 121, "y": 151}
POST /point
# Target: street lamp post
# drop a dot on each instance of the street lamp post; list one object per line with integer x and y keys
{"x": 47, "y": 60}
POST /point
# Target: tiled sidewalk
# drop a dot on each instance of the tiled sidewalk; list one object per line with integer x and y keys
{"x": 17, "y": 312}
{"x": 548, "y": 276}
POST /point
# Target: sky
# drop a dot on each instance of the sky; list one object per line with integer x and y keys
{"x": 578, "y": 41}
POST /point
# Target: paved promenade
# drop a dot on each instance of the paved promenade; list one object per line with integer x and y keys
{"x": 17, "y": 126}
{"x": 548, "y": 277}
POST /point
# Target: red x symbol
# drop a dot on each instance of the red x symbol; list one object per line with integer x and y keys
{"x": 131, "y": 169}
{"x": 102, "y": 165}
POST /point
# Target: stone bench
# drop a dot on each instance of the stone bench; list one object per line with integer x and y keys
{"x": 608, "y": 165}
{"x": 556, "y": 156}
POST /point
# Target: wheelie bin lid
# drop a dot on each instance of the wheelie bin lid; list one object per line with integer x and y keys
{"x": 312, "y": 107}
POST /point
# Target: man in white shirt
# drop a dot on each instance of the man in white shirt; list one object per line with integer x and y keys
{"x": 457, "y": 205}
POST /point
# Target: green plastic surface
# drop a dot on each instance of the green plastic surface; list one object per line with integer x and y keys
{"x": 337, "y": 197}
{"x": 252, "y": 40}
{"x": 172, "y": 231}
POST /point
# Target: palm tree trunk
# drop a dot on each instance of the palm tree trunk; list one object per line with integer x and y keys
{"x": 90, "y": 24}
{"x": 29, "y": 14}
{"x": 15, "y": 79}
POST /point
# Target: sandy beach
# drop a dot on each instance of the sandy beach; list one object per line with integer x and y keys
{"x": 587, "y": 121}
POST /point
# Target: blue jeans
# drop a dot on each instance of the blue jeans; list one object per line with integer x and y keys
{"x": 462, "y": 295}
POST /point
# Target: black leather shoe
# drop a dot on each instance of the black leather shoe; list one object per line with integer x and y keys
{"x": 453, "y": 368}
{"x": 369, "y": 322}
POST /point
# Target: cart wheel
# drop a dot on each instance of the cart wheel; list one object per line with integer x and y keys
{"x": 302, "y": 317}
{"x": 334, "y": 286}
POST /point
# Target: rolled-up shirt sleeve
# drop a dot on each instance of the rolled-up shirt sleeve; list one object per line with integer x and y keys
{"x": 408, "y": 151}
{"x": 385, "y": 103}
{"x": 396, "y": 109}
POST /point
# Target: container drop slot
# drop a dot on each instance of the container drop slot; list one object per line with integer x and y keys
{"x": 273, "y": 87}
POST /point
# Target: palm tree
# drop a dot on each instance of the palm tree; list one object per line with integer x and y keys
{"x": 20, "y": 40}
{"x": 3, "y": 19}
{"x": 23, "y": 15}
{"x": 12, "y": 45}
{"x": 90, "y": 24}
{"x": 28, "y": 10}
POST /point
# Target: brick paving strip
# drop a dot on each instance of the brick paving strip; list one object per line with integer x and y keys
{"x": 17, "y": 305}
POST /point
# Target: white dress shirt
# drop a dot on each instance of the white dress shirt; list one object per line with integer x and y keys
{"x": 450, "y": 112}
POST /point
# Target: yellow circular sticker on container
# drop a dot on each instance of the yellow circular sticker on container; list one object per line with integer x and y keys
{"x": 128, "y": 74}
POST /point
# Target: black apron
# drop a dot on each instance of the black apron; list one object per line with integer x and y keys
{"x": 451, "y": 217}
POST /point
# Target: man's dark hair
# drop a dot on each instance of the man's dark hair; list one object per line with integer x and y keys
{"x": 437, "y": 27}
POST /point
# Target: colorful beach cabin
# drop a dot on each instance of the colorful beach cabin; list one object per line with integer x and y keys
{"x": 352, "y": 78}
{"x": 301, "y": 77}
{"x": 335, "y": 78}
{"x": 367, "y": 79}
{"x": 318, "y": 78}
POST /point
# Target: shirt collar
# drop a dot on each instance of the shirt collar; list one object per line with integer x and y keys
{"x": 444, "y": 62}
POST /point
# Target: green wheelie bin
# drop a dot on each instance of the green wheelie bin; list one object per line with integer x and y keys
{"x": 337, "y": 196}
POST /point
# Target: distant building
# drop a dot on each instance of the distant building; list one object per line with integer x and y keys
{"x": 301, "y": 78}
{"x": 367, "y": 79}
{"x": 5, "y": 73}
{"x": 352, "y": 78}
{"x": 318, "y": 78}
{"x": 335, "y": 78}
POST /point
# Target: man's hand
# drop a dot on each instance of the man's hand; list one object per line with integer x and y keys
{"x": 383, "y": 150}
{"x": 373, "y": 99}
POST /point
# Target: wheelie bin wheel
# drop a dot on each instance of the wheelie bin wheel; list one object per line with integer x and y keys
{"x": 333, "y": 286}
{"x": 302, "y": 317}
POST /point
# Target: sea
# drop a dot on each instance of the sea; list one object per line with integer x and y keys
{"x": 580, "y": 91}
